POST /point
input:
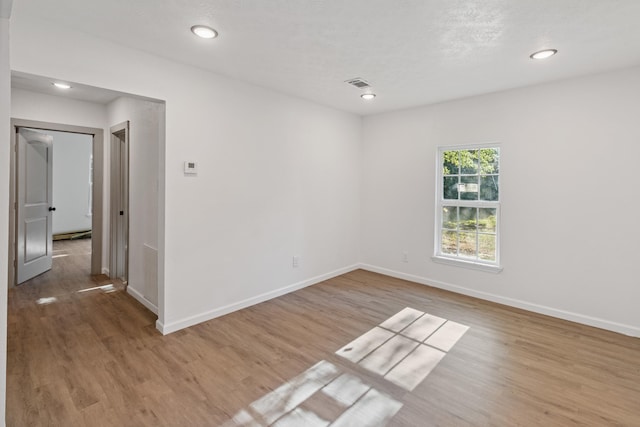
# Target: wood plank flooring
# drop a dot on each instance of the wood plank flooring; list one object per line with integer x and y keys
{"x": 94, "y": 358}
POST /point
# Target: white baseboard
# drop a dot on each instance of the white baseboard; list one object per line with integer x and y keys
{"x": 212, "y": 314}
{"x": 142, "y": 300}
{"x": 105, "y": 271}
{"x": 536, "y": 308}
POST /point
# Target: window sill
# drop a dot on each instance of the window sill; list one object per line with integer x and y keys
{"x": 467, "y": 264}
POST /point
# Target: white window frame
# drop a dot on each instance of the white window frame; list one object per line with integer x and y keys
{"x": 477, "y": 264}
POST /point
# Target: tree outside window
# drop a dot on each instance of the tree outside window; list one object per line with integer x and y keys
{"x": 469, "y": 204}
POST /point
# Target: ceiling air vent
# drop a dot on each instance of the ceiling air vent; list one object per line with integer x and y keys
{"x": 358, "y": 82}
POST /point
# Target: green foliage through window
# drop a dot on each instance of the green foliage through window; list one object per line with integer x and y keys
{"x": 468, "y": 203}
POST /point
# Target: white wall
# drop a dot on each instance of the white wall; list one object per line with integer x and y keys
{"x": 29, "y": 105}
{"x": 569, "y": 199}
{"x": 5, "y": 90}
{"x": 71, "y": 181}
{"x": 145, "y": 134}
{"x": 278, "y": 176}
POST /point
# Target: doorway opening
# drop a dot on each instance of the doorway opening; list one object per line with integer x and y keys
{"x": 35, "y": 218}
{"x": 119, "y": 247}
{"x": 141, "y": 263}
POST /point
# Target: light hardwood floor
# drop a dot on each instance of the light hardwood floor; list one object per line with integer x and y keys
{"x": 94, "y": 358}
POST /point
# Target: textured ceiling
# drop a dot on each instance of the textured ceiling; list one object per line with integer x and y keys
{"x": 413, "y": 52}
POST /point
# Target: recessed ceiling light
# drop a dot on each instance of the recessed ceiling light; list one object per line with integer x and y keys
{"x": 61, "y": 85}
{"x": 368, "y": 96}
{"x": 543, "y": 54}
{"x": 204, "y": 31}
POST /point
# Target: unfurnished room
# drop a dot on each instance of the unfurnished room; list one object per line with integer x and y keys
{"x": 319, "y": 213}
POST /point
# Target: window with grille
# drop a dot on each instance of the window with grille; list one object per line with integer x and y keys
{"x": 468, "y": 205}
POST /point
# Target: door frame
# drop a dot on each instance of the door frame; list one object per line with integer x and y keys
{"x": 97, "y": 190}
{"x": 119, "y": 183}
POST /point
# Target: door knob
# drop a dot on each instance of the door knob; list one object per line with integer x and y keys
{"x": 51, "y": 209}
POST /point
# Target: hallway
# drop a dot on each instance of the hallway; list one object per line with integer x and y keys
{"x": 58, "y": 326}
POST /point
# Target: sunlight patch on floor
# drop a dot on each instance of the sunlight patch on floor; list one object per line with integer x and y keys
{"x": 403, "y": 350}
{"x": 291, "y": 394}
{"x": 104, "y": 288}
{"x": 364, "y": 344}
{"x": 354, "y": 402}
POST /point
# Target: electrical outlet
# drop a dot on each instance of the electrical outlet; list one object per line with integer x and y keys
{"x": 296, "y": 261}
{"x": 405, "y": 256}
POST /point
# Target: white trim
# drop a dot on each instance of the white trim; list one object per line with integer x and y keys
{"x": 621, "y": 328}
{"x": 142, "y": 300}
{"x": 105, "y": 271}
{"x": 471, "y": 146}
{"x": 167, "y": 328}
{"x": 458, "y": 262}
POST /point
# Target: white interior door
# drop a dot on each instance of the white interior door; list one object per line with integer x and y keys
{"x": 34, "y": 208}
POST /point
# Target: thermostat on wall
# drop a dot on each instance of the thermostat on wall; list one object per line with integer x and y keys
{"x": 190, "y": 168}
